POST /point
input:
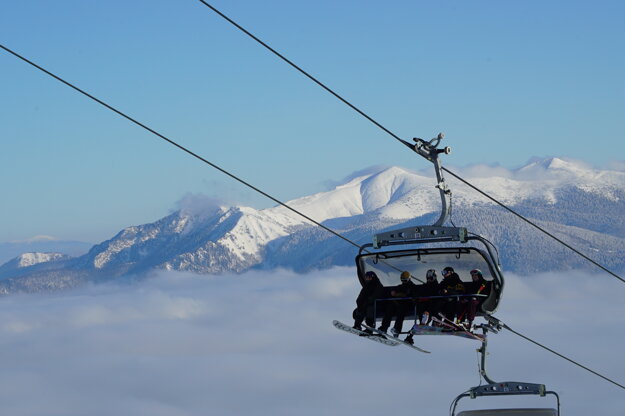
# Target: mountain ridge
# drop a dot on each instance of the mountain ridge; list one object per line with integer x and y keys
{"x": 572, "y": 200}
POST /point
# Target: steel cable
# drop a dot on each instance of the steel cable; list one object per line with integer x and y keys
{"x": 562, "y": 356}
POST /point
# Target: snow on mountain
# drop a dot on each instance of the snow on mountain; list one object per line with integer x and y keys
{"x": 392, "y": 192}
{"x": 30, "y": 259}
{"x": 557, "y": 172}
{"x": 557, "y": 166}
{"x": 575, "y": 201}
{"x": 27, "y": 261}
{"x": 41, "y": 244}
{"x": 541, "y": 179}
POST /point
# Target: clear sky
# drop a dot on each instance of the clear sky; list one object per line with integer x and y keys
{"x": 504, "y": 80}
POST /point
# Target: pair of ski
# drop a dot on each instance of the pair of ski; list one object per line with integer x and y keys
{"x": 456, "y": 329}
{"x": 376, "y": 335}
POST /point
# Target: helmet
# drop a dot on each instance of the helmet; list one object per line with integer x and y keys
{"x": 448, "y": 269}
{"x": 478, "y": 272}
{"x": 405, "y": 276}
{"x": 371, "y": 275}
{"x": 431, "y": 274}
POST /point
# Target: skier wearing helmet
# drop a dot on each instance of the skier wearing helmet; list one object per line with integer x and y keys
{"x": 366, "y": 298}
{"x": 400, "y": 307}
{"x": 470, "y": 305}
{"x": 426, "y": 307}
{"x": 450, "y": 285}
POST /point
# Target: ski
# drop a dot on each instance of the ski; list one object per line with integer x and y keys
{"x": 453, "y": 329}
{"x": 430, "y": 330}
{"x": 444, "y": 329}
{"x": 363, "y": 334}
{"x": 395, "y": 339}
{"x": 407, "y": 344}
{"x": 457, "y": 329}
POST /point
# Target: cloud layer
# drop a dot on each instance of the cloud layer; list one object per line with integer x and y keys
{"x": 262, "y": 343}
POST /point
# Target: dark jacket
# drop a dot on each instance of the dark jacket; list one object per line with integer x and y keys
{"x": 404, "y": 290}
{"x": 481, "y": 286}
{"x": 368, "y": 293}
{"x": 451, "y": 285}
{"x": 427, "y": 289}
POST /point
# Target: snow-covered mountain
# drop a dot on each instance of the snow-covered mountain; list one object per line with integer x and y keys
{"x": 42, "y": 244}
{"x": 579, "y": 204}
{"x": 30, "y": 259}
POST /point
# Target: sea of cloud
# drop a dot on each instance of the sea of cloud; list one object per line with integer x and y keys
{"x": 262, "y": 343}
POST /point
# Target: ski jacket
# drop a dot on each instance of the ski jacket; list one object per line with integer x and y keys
{"x": 481, "y": 286}
{"x": 451, "y": 285}
{"x": 427, "y": 289}
{"x": 368, "y": 293}
{"x": 404, "y": 290}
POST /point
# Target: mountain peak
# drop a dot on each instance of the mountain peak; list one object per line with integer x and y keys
{"x": 556, "y": 165}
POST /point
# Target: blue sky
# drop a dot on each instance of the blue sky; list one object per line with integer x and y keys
{"x": 505, "y": 81}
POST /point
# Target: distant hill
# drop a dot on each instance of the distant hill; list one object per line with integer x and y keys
{"x": 43, "y": 244}
{"x": 581, "y": 205}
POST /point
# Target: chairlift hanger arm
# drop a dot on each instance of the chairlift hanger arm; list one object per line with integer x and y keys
{"x": 506, "y": 388}
{"x": 429, "y": 150}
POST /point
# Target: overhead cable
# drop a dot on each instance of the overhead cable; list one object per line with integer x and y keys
{"x": 562, "y": 356}
{"x": 396, "y": 137}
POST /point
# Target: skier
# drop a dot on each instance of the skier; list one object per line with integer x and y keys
{"x": 365, "y": 301}
{"x": 469, "y": 305}
{"x": 426, "y": 307}
{"x": 400, "y": 307}
{"x": 450, "y": 285}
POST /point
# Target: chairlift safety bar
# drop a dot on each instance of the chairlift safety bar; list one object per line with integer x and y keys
{"x": 507, "y": 388}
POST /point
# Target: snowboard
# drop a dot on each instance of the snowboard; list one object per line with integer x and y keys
{"x": 373, "y": 337}
{"x": 392, "y": 338}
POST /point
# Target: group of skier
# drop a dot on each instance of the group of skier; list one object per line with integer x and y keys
{"x": 451, "y": 298}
